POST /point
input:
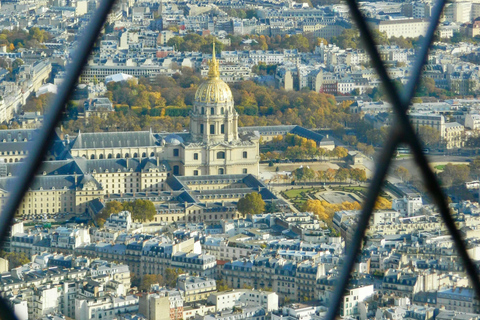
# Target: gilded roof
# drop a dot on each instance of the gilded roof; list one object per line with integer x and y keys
{"x": 213, "y": 90}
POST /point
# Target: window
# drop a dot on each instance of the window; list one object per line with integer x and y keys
{"x": 222, "y": 111}
{"x": 176, "y": 152}
{"x": 195, "y": 172}
{"x": 195, "y": 156}
{"x": 244, "y": 154}
{"x": 201, "y": 128}
{"x": 245, "y": 170}
{"x": 212, "y": 111}
{"x": 221, "y": 171}
{"x": 212, "y": 129}
{"x": 176, "y": 170}
{"x": 203, "y": 110}
{"x": 220, "y": 155}
{"x": 222, "y": 128}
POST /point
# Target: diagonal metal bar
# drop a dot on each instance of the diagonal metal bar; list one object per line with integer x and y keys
{"x": 355, "y": 244}
{"x": 400, "y": 106}
{"x": 7, "y": 312}
{"x": 38, "y": 148}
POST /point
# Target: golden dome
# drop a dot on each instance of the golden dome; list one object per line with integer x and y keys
{"x": 214, "y": 89}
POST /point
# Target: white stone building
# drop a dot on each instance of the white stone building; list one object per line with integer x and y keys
{"x": 244, "y": 297}
{"x": 472, "y": 121}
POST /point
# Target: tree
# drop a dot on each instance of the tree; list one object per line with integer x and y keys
{"x": 382, "y": 204}
{"x": 342, "y": 174}
{"x": 330, "y": 174}
{"x": 171, "y": 276}
{"x": 340, "y": 152}
{"x": 17, "y": 63}
{"x": 150, "y": 279}
{"x": 402, "y": 173}
{"x": 350, "y": 139}
{"x": 271, "y": 207}
{"x": 110, "y": 208}
{"x": 252, "y": 203}
{"x": 475, "y": 166}
{"x": 358, "y": 175}
{"x": 143, "y": 210}
{"x": 429, "y": 135}
{"x": 304, "y": 173}
{"x": 316, "y": 207}
{"x": 222, "y": 285}
{"x": 15, "y": 259}
{"x": 454, "y": 174}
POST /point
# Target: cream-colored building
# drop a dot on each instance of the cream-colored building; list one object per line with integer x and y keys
{"x": 215, "y": 146}
{"x": 407, "y": 28}
{"x": 453, "y": 137}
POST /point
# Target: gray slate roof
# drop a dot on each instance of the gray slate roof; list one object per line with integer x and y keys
{"x": 42, "y": 182}
{"x": 114, "y": 140}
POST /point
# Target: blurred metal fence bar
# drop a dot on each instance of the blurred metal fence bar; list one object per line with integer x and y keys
{"x": 39, "y": 147}
{"x": 401, "y": 132}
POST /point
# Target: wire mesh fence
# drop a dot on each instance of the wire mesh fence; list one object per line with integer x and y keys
{"x": 401, "y": 132}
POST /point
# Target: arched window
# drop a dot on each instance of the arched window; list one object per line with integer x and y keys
{"x": 110, "y": 156}
{"x": 212, "y": 110}
{"x": 92, "y": 156}
{"x": 118, "y": 156}
{"x": 221, "y": 171}
{"x": 127, "y": 155}
{"x": 220, "y": 155}
{"x": 135, "y": 155}
{"x": 100, "y": 156}
{"x": 151, "y": 154}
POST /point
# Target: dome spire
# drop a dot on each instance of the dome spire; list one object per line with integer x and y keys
{"x": 214, "y": 71}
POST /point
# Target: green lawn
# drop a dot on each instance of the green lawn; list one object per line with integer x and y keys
{"x": 359, "y": 190}
{"x": 295, "y": 195}
{"x": 351, "y": 189}
{"x": 440, "y": 167}
{"x": 297, "y": 192}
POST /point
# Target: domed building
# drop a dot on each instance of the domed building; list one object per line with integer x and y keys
{"x": 213, "y": 145}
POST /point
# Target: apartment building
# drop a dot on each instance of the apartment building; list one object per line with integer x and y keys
{"x": 453, "y": 137}
{"x": 196, "y": 288}
{"x": 244, "y": 297}
{"x": 472, "y": 121}
{"x": 407, "y": 28}
{"x": 106, "y": 307}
